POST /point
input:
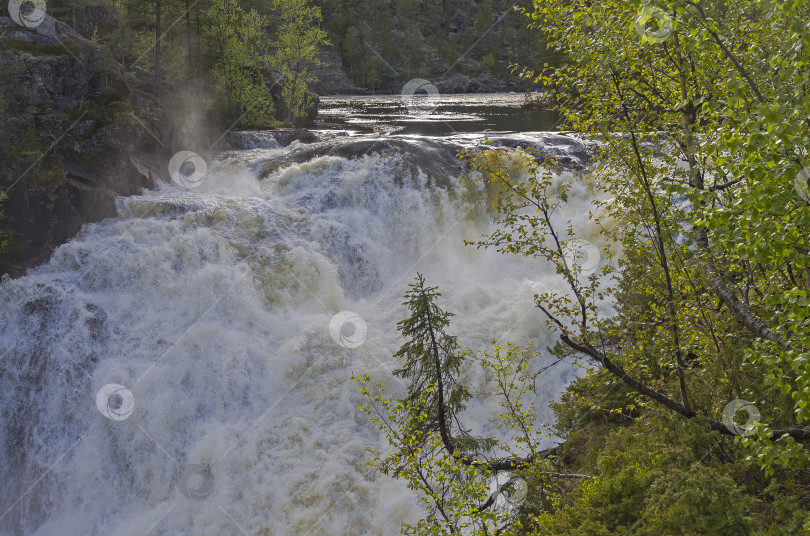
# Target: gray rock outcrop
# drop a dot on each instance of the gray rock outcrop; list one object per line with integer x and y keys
{"x": 67, "y": 138}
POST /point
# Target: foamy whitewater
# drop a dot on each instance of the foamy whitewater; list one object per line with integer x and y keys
{"x": 212, "y": 307}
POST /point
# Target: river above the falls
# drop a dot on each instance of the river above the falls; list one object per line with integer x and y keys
{"x": 439, "y": 115}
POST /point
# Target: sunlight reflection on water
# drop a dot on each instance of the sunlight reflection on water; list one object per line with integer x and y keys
{"x": 478, "y": 112}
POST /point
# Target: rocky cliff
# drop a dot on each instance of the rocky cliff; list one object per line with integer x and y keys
{"x": 70, "y": 129}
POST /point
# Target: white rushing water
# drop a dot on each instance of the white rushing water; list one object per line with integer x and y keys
{"x": 212, "y": 308}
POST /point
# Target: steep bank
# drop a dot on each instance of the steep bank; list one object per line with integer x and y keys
{"x": 69, "y": 131}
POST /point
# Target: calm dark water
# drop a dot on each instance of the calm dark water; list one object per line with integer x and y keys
{"x": 434, "y": 116}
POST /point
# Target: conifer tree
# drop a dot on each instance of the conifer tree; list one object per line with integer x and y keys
{"x": 432, "y": 361}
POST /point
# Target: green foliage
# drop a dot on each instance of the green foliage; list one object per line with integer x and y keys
{"x": 483, "y": 19}
{"x": 175, "y": 69}
{"x": 47, "y": 174}
{"x": 34, "y": 49}
{"x": 240, "y": 50}
{"x": 112, "y": 106}
{"x": 595, "y": 400}
{"x": 451, "y": 491}
{"x": 5, "y": 234}
{"x": 30, "y": 156}
{"x": 651, "y": 481}
{"x": 297, "y": 48}
{"x": 488, "y": 63}
{"x": 726, "y": 84}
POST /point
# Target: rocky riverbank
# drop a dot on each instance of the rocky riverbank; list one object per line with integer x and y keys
{"x": 333, "y": 80}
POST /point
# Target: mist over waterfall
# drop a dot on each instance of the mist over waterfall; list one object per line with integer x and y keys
{"x": 210, "y": 310}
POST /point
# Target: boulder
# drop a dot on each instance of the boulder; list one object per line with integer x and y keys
{"x": 568, "y": 152}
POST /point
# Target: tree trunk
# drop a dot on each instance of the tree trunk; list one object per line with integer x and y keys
{"x": 200, "y": 72}
{"x": 443, "y": 428}
{"x": 157, "y": 46}
{"x": 188, "y": 38}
